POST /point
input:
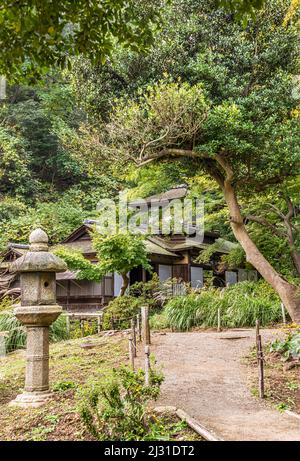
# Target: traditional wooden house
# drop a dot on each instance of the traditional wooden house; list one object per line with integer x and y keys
{"x": 173, "y": 256}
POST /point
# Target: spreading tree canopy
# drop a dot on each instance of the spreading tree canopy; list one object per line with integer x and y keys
{"x": 35, "y": 34}
{"x": 229, "y": 104}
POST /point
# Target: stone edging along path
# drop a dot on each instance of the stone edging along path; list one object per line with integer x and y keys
{"x": 205, "y": 377}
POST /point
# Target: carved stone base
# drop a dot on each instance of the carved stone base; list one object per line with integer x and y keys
{"x": 31, "y": 399}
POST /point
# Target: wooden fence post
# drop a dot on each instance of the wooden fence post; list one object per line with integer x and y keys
{"x": 219, "y": 319}
{"x": 131, "y": 352}
{"x": 3, "y": 334}
{"x": 138, "y": 327}
{"x": 260, "y": 362}
{"x": 112, "y": 323}
{"x": 99, "y": 318}
{"x": 147, "y": 365}
{"x": 283, "y": 314}
{"x": 133, "y": 332}
{"x": 145, "y": 324}
{"x": 68, "y": 325}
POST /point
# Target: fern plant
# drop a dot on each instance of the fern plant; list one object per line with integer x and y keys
{"x": 116, "y": 409}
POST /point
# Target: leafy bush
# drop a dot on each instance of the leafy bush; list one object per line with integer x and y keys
{"x": 290, "y": 347}
{"x": 16, "y": 333}
{"x": 79, "y": 330}
{"x": 240, "y": 306}
{"x": 116, "y": 409}
{"x": 159, "y": 321}
{"x": 62, "y": 386}
{"x": 146, "y": 291}
{"x": 120, "y": 310}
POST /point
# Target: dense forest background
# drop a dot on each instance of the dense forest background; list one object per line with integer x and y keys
{"x": 53, "y": 168}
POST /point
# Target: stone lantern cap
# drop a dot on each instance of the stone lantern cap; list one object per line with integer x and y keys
{"x": 38, "y": 258}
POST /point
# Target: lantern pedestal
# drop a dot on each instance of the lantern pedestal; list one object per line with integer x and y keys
{"x": 37, "y": 320}
{"x": 31, "y": 399}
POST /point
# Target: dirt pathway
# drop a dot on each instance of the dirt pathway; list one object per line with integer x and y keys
{"x": 205, "y": 377}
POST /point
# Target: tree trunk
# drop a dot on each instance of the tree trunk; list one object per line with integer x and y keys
{"x": 296, "y": 260}
{"x": 124, "y": 284}
{"x": 288, "y": 293}
{"x": 292, "y": 245}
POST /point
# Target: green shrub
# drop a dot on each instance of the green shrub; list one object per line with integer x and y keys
{"x": 116, "y": 408}
{"x": 289, "y": 347}
{"x": 120, "y": 310}
{"x": 155, "y": 293}
{"x": 62, "y": 386}
{"x": 159, "y": 321}
{"x": 146, "y": 292}
{"x": 16, "y": 333}
{"x": 79, "y": 330}
{"x": 240, "y": 306}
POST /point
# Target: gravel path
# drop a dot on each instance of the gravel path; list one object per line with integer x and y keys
{"x": 206, "y": 378}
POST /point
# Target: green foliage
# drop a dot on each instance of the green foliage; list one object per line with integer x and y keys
{"x": 117, "y": 409}
{"x": 5, "y": 304}
{"x": 282, "y": 407}
{"x": 14, "y": 163}
{"x": 240, "y": 305}
{"x": 154, "y": 179}
{"x": 159, "y": 321}
{"x": 62, "y": 386}
{"x": 77, "y": 262}
{"x": 120, "y": 252}
{"x": 16, "y": 333}
{"x": 58, "y": 219}
{"x": 116, "y": 253}
{"x": 147, "y": 292}
{"x": 81, "y": 329}
{"x": 247, "y": 116}
{"x": 121, "y": 310}
{"x": 149, "y": 124}
{"x": 29, "y": 119}
{"x": 241, "y": 7}
{"x": 289, "y": 347}
{"x": 35, "y": 36}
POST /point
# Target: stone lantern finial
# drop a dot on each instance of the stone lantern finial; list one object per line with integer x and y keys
{"x": 38, "y": 240}
{"x": 37, "y": 311}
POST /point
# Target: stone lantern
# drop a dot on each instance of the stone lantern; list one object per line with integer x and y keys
{"x": 37, "y": 311}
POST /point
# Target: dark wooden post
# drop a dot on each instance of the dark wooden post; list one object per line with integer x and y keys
{"x": 260, "y": 362}
{"x": 112, "y": 323}
{"x": 147, "y": 365}
{"x": 99, "y": 323}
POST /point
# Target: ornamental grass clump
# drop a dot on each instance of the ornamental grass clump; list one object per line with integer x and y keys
{"x": 240, "y": 305}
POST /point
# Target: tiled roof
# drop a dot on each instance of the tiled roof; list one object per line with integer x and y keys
{"x": 178, "y": 192}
